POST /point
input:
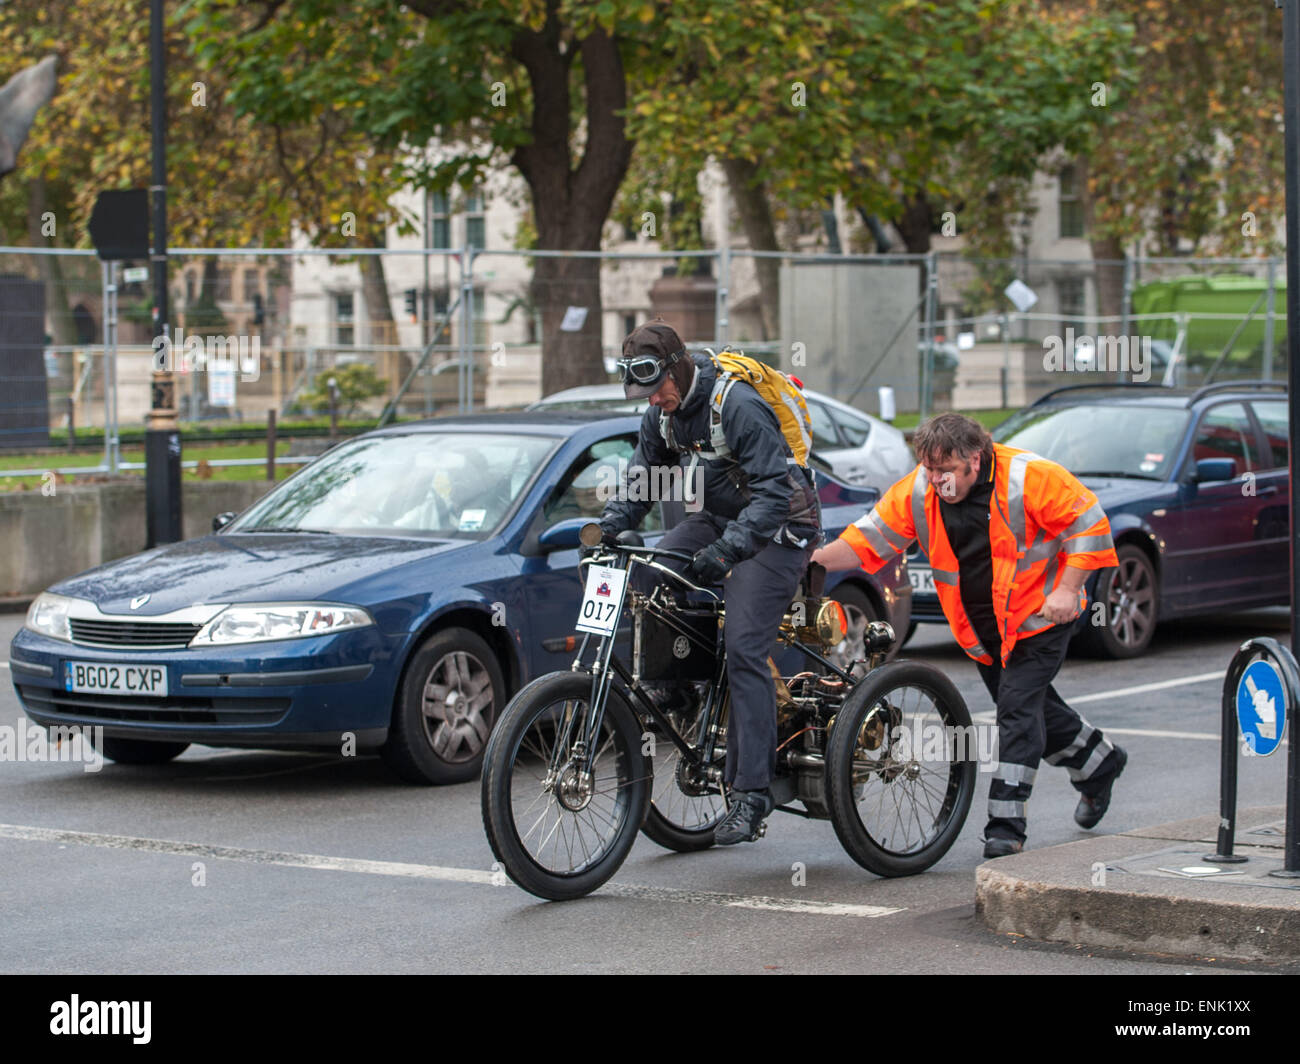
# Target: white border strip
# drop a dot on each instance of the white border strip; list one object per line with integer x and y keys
{"x": 433, "y": 872}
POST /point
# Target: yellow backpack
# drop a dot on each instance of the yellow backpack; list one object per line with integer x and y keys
{"x": 777, "y": 389}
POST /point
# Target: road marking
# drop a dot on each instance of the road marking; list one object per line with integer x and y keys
{"x": 990, "y": 718}
{"x": 419, "y": 871}
{"x": 1204, "y": 677}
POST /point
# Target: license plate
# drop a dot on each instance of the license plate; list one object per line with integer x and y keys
{"x": 921, "y": 577}
{"x": 95, "y": 677}
{"x": 601, "y": 599}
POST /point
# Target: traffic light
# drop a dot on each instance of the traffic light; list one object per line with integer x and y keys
{"x": 412, "y": 296}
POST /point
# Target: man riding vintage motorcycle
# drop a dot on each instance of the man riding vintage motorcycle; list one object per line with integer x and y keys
{"x": 759, "y": 521}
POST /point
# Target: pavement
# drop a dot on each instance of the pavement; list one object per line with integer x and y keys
{"x": 1150, "y": 890}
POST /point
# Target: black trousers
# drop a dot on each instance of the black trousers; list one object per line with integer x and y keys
{"x": 1035, "y": 723}
{"x": 757, "y": 595}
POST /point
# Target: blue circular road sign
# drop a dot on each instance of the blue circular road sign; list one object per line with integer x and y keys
{"x": 1261, "y": 706}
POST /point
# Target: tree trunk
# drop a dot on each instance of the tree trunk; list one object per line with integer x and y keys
{"x": 915, "y": 223}
{"x": 51, "y": 269}
{"x": 570, "y": 205}
{"x": 1107, "y": 254}
{"x": 381, "y": 329}
{"x": 750, "y": 197}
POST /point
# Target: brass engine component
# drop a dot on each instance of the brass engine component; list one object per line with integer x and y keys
{"x": 828, "y": 625}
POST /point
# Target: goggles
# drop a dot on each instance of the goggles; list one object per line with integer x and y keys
{"x": 643, "y": 369}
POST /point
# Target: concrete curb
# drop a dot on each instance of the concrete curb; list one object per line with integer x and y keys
{"x": 1053, "y": 895}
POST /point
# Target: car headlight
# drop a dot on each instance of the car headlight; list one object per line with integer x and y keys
{"x": 48, "y": 614}
{"x": 280, "y": 620}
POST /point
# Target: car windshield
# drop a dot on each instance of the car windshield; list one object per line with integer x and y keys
{"x": 1096, "y": 440}
{"x": 459, "y": 485}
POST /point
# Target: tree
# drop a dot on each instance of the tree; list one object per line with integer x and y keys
{"x": 900, "y": 105}
{"x": 540, "y": 84}
{"x": 356, "y": 383}
{"x": 1192, "y": 154}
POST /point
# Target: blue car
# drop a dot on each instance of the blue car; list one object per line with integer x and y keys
{"x": 1196, "y": 488}
{"x": 390, "y": 596}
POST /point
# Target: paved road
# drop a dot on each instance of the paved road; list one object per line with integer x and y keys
{"x": 264, "y": 862}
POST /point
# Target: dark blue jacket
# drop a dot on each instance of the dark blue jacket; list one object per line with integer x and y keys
{"x": 758, "y": 489}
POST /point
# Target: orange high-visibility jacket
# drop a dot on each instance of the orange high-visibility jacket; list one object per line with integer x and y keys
{"x": 1040, "y": 520}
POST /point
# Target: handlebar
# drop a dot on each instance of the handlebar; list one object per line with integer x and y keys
{"x": 661, "y": 552}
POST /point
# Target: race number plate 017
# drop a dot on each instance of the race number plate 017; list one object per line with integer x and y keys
{"x": 601, "y": 600}
{"x": 96, "y": 677}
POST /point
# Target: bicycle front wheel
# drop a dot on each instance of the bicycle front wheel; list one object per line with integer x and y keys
{"x": 558, "y": 832}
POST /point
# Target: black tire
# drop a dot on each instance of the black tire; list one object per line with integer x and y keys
{"x": 517, "y": 759}
{"x": 680, "y": 819}
{"x": 452, "y": 691}
{"x": 913, "y": 697}
{"x": 139, "y": 751}
{"x": 1130, "y": 594}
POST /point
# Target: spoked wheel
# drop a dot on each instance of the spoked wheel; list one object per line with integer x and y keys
{"x": 685, "y": 807}
{"x": 900, "y": 769}
{"x": 558, "y": 832}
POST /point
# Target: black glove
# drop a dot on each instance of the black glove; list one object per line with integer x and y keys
{"x": 711, "y": 564}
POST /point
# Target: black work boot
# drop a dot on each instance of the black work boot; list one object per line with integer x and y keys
{"x": 1089, "y": 811}
{"x": 744, "y": 820}
{"x": 1000, "y": 847}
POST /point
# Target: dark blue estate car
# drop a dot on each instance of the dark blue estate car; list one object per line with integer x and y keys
{"x": 1196, "y": 488}
{"x": 390, "y": 596}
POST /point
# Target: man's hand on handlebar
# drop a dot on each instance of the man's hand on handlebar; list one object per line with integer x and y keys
{"x": 710, "y": 564}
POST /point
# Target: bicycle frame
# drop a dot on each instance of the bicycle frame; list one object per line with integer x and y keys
{"x": 606, "y": 666}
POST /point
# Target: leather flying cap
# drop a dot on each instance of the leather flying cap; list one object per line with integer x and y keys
{"x": 654, "y": 340}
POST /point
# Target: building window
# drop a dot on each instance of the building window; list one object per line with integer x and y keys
{"x": 475, "y": 223}
{"x": 223, "y": 285}
{"x": 1069, "y": 298}
{"x": 1070, "y": 203}
{"x": 440, "y": 220}
{"x": 344, "y": 319}
{"x": 189, "y": 287}
{"x": 252, "y": 284}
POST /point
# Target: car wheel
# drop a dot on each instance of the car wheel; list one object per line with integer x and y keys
{"x": 138, "y": 751}
{"x": 451, "y": 693}
{"x": 860, "y": 611}
{"x": 1130, "y": 594}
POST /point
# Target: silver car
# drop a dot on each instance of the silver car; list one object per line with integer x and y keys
{"x": 859, "y": 448}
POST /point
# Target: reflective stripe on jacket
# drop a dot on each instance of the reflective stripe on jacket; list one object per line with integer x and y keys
{"x": 1041, "y": 519}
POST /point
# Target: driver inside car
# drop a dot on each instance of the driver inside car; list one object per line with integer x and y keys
{"x": 757, "y": 520}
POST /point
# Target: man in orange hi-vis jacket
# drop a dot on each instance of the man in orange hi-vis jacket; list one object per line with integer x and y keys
{"x": 1022, "y": 533}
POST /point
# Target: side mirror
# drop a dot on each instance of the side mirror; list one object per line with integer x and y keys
{"x": 221, "y": 520}
{"x": 563, "y": 535}
{"x": 1212, "y": 469}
